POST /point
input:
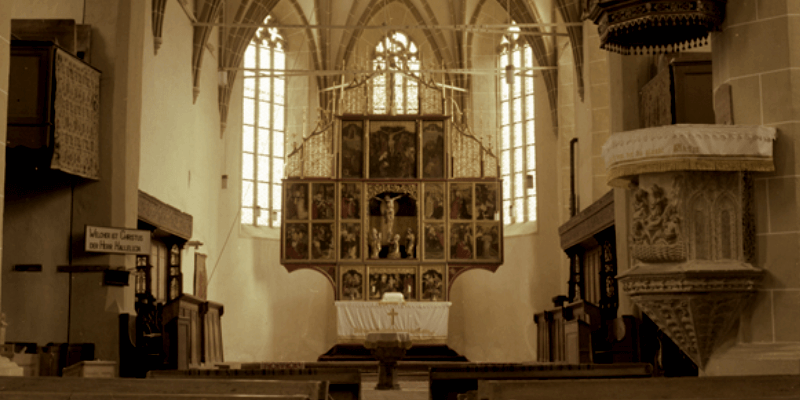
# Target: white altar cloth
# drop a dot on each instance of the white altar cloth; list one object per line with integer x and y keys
{"x": 424, "y": 321}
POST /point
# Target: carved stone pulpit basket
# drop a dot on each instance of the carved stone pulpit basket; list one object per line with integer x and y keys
{"x": 691, "y": 232}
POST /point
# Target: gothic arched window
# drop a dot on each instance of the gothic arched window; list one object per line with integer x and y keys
{"x": 263, "y": 128}
{"x": 395, "y": 91}
{"x": 518, "y": 151}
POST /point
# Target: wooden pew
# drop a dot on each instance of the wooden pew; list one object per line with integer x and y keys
{"x": 146, "y": 396}
{"x": 19, "y": 386}
{"x": 728, "y": 387}
{"x": 450, "y": 381}
{"x": 343, "y": 383}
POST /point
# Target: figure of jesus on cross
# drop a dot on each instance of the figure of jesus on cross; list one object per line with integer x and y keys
{"x": 388, "y": 210}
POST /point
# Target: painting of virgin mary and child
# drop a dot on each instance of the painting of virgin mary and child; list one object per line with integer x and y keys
{"x": 393, "y": 150}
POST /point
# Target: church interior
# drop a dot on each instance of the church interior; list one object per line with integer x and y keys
{"x": 200, "y": 185}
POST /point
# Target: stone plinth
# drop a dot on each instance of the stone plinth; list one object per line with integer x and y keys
{"x": 692, "y": 234}
{"x": 388, "y": 348}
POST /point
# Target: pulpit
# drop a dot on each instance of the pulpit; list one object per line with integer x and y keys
{"x": 192, "y": 332}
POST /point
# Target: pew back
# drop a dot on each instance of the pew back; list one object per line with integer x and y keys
{"x": 728, "y": 387}
{"x": 148, "y": 387}
{"x": 447, "y": 382}
{"x": 144, "y": 396}
{"x": 342, "y": 383}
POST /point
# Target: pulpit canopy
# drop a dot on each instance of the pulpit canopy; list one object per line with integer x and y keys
{"x": 654, "y": 26}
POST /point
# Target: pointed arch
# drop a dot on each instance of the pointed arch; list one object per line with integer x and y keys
{"x": 700, "y": 227}
{"x": 234, "y": 42}
{"x": 521, "y": 13}
{"x": 725, "y": 228}
{"x": 570, "y": 11}
{"x": 372, "y": 10}
{"x": 209, "y": 12}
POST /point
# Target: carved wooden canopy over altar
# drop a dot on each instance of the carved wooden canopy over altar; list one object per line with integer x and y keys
{"x": 382, "y": 203}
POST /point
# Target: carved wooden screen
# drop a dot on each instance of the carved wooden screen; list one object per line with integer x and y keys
{"x": 391, "y": 214}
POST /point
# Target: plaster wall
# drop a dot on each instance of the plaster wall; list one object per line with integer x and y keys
{"x": 181, "y": 148}
{"x": 270, "y": 314}
{"x": 491, "y": 319}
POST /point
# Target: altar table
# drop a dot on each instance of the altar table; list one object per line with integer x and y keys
{"x": 425, "y": 322}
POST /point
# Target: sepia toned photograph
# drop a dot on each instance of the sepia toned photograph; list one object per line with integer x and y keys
{"x": 351, "y": 280}
{"x": 350, "y": 241}
{"x": 486, "y": 202}
{"x": 352, "y": 149}
{"x": 323, "y": 201}
{"x": 322, "y": 243}
{"x": 393, "y": 149}
{"x": 392, "y": 279}
{"x": 296, "y": 201}
{"x": 461, "y": 241}
{"x": 460, "y": 201}
{"x": 351, "y": 201}
{"x": 433, "y": 149}
{"x": 434, "y": 201}
{"x": 296, "y": 242}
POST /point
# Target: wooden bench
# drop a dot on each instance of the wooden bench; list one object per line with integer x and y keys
{"x": 58, "y": 388}
{"x": 145, "y": 396}
{"x": 343, "y": 383}
{"x": 728, "y": 387}
{"x": 447, "y": 382}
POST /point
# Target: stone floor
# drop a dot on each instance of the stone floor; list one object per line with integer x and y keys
{"x": 412, "y": 387}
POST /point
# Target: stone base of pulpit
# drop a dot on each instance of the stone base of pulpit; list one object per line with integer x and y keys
{"x": 388, "y": 348}
{"x": 692, "y": 226}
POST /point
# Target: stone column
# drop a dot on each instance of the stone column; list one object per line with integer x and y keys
{"x": 757, "y": 53}
{"x": 7, "y": 367}
{"x": 119, "y": 29}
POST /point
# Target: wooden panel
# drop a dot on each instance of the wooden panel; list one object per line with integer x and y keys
{"x": 733, "y": 387}
{"x": 447, "y": 382}
{"x": 210, "y": 314}
{"x": 339, "y": 383}
{"x": 18, "y": 385}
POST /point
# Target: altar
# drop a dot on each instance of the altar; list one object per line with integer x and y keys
{"x": 426, "y": 322}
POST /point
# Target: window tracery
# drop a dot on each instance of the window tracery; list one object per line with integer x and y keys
{"x": 517, "y": 124}
{"x": 263, "y": 128}
{"x": 396, "y": 91}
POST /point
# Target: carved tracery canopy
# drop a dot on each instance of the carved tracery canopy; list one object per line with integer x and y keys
{"x": 654, "y": 26}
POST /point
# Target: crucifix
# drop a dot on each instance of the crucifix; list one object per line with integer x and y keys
{"x": 392, "y": 314}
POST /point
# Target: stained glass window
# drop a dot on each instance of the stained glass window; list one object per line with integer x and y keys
{"x": 518, "y": 154}
{"x": 391, "y": 90}
{"x": 263, "y": 130}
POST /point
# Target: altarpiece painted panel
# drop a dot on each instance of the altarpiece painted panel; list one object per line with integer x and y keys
{"x": 392, "y": 216}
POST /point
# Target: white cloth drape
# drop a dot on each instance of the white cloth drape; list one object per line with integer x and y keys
{"x": 423, "y": 321}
